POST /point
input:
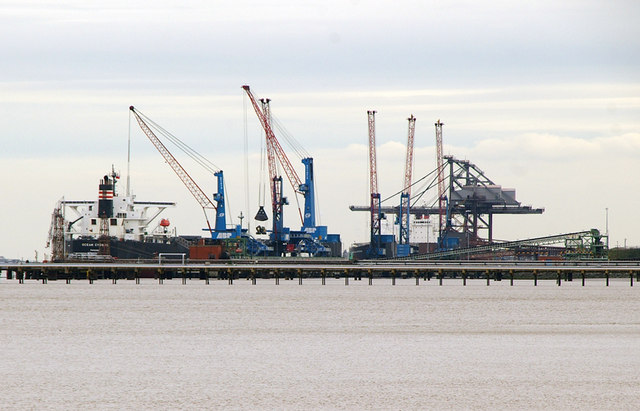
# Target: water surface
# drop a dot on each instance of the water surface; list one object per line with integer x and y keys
{"x": 197, "y": 346}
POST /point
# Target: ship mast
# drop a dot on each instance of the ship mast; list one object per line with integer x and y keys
{"x": 129, "y": 159}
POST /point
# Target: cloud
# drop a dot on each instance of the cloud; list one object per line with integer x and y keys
{"x": 543, "y": 97}
{"x": 553, "y": 148}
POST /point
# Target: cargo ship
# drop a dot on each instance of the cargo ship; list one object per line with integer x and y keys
{"x": 115, "y": 227}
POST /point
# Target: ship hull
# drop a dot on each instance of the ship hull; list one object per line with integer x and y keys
{"x": 129, "y": 249}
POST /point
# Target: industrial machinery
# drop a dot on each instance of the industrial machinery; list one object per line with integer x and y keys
{"x": 220, "y": 229}
{"x": 375, "y": 244}
{"x": 312, "y": 239}
{"x": 588, "y": 244}
{"x": 465, "y": 204}
{"x": 472, "y": 200}
{"x": 442, "y": 197}
{"x": 404, "y": 246}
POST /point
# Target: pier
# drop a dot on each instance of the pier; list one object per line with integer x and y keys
{"x": 340, "y": 269}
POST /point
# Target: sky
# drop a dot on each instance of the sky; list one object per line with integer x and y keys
{"x": 543, "y": 96}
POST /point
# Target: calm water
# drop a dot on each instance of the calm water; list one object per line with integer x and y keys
{"x": 194, "y": 346}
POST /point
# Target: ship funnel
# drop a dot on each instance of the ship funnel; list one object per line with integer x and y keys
{"x": 261, "y": 215}
{"x": 105, "y": 198}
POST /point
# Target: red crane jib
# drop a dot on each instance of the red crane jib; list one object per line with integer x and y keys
{"x": 274, "y": 149}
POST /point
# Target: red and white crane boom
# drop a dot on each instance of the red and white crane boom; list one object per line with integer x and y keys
{"x": 440, "y": 166}
{"x": 408, "y": 166}
{"x": 195, "y": 190}
{"x": 373, "y": 171}
{"x": 274, "y": 149}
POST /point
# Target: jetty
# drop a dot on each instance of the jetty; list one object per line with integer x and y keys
{"x": 290, "y": 269}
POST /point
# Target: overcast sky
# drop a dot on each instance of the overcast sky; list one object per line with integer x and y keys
{"x": 544, "y": 96}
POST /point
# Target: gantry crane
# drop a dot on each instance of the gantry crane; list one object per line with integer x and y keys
{"x": 442, "y": 196}
{"x": 375, "y": 245}
{"x": 310, "y": 237}
{"x": 404, "y": 247}
{"x": 220, "y": 228}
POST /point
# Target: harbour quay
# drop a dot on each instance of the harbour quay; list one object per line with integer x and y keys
{"x": 346, "y": 270}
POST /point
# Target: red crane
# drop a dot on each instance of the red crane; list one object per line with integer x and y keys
{"x": 375, "y": 224}
{"x": 440, "y": 166}
{"x": 373, "y": 172}
{"x": 408, "y": 166}
{"x": 191, "y": 185}
{"x": 274, "y": 149}
{"x": 406, "y": 191}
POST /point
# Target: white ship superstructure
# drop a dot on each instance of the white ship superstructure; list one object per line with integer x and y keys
{"x": 128, "y": 220}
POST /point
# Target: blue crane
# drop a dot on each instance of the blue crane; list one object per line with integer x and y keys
{"x": 311, "y": 237}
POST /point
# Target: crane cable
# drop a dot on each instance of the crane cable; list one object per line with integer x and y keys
{"x": 292, "y": 143}
{"x": 246, "y": 162}
{"x": 297, "y": 148}
{"x": 416, "y": 182}
{"x": 184, "y": 147}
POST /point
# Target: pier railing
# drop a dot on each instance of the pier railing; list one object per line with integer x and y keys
{"x": 252, "y": 269}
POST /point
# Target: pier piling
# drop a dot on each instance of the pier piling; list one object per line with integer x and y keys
{"x": 114, "y": 272}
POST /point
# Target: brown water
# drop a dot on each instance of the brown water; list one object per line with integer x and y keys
{"x": 194, "y": 346}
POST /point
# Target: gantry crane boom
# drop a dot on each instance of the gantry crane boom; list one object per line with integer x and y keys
{"x": 373, "y": 172}
{"x": 276, "y": 148}
{"x": 408, "y": 166}
{"x": 440, "y": 167}
{"x": 195, "y": 190}
{"x": 186, "y": 179}
{"x": 271, "y": 154}
{"x": 405, "y": 212}
{"x": 376, "y": 216}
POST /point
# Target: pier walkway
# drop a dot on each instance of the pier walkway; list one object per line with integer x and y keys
{"x": 336, "y": 268}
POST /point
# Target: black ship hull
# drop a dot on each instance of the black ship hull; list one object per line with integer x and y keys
{"x": 129, "y": 249}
